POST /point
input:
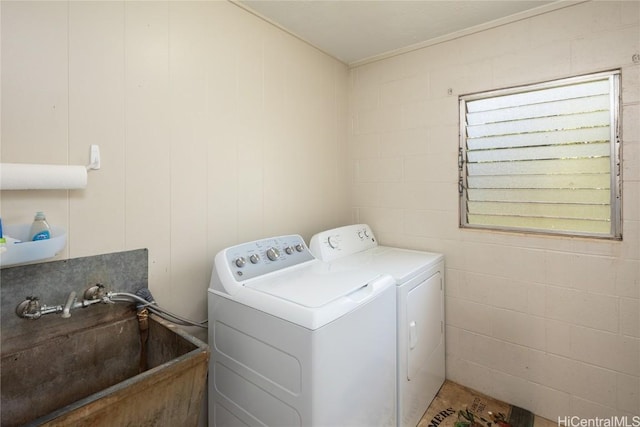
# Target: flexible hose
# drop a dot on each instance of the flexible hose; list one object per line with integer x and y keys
{"x": 146, "y": 294}
{"x": 142, "y": 302}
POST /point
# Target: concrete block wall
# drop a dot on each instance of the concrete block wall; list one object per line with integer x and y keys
{"x": 550, "y": 324}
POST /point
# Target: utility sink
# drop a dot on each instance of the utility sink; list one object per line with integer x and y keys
{"x": 105, "y": 376}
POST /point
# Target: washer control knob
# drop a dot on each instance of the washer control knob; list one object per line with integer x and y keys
{"x": 333, "y": 242}
{"x": 360, "y": 235}
{"x": 254, "y": 258}
{"x": 240, "y": 262}
{"x": 299, "y": 247}
{"x": 273, "y": 254}
{"x": 289, "y": 250}
{"x": 366, "y": 233}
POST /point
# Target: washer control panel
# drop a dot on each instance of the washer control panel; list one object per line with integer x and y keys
{"x": 342, "y": 241}
{"x": 260, "y": 257}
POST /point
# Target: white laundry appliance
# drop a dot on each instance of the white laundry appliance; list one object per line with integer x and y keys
{"x": 299, "y": 342}
{"x": 420, "y": 309}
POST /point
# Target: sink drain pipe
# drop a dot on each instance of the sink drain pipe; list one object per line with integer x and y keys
{"x": 143, "y": 324}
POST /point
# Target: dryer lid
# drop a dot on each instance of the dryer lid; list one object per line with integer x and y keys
{"x": 402, "y": 264}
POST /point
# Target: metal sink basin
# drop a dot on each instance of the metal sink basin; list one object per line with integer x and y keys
{"x": 106, "y": 375}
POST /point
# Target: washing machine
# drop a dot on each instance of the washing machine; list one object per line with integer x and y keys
{"x": 419, "y": 280}
{"x": 299, "y": 342}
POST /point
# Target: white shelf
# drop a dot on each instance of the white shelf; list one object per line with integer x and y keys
{"x": 27, "y": 251}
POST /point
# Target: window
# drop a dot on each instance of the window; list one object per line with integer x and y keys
{"x": 543, "y": 158}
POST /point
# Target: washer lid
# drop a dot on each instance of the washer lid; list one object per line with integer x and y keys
{"x": 314, "y": 286}
{"x": 313, "y": 294}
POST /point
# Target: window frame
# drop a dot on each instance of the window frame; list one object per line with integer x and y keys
{"x": 615, "y": 157}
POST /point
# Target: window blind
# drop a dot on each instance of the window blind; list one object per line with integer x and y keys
{"x": 542, "y": 158}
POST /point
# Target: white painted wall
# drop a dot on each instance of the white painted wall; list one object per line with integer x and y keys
{"x": 548, "y": 323}
{"x": 214, "y": 128}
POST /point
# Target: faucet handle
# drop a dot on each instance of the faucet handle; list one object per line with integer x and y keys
{"x": 29, "y": 308}
{"x": 96, "y": 291}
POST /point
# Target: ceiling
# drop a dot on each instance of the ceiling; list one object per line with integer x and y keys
{"x": 357, "y": 30}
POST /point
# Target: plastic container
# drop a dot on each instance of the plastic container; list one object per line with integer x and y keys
{"x": 20, "y": 250}
{"x": 40, "y": 229}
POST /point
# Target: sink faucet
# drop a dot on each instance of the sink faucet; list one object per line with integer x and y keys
{"x": 30, "y": 308}
{"x": 66, "y": 311}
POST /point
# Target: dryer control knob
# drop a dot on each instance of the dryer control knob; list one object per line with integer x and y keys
{"x": 240, "y": 262}
{"x": 299, "y": 247}
{"x": 273, "y": 254}
{"x": 333, "y": 242}
{"x": 254, "y": 258}
{"x": 289, "y": 250}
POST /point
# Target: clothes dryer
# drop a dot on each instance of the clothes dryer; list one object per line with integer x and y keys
{"x": 420, "y": 309}
{"x": 299, "y": 342}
